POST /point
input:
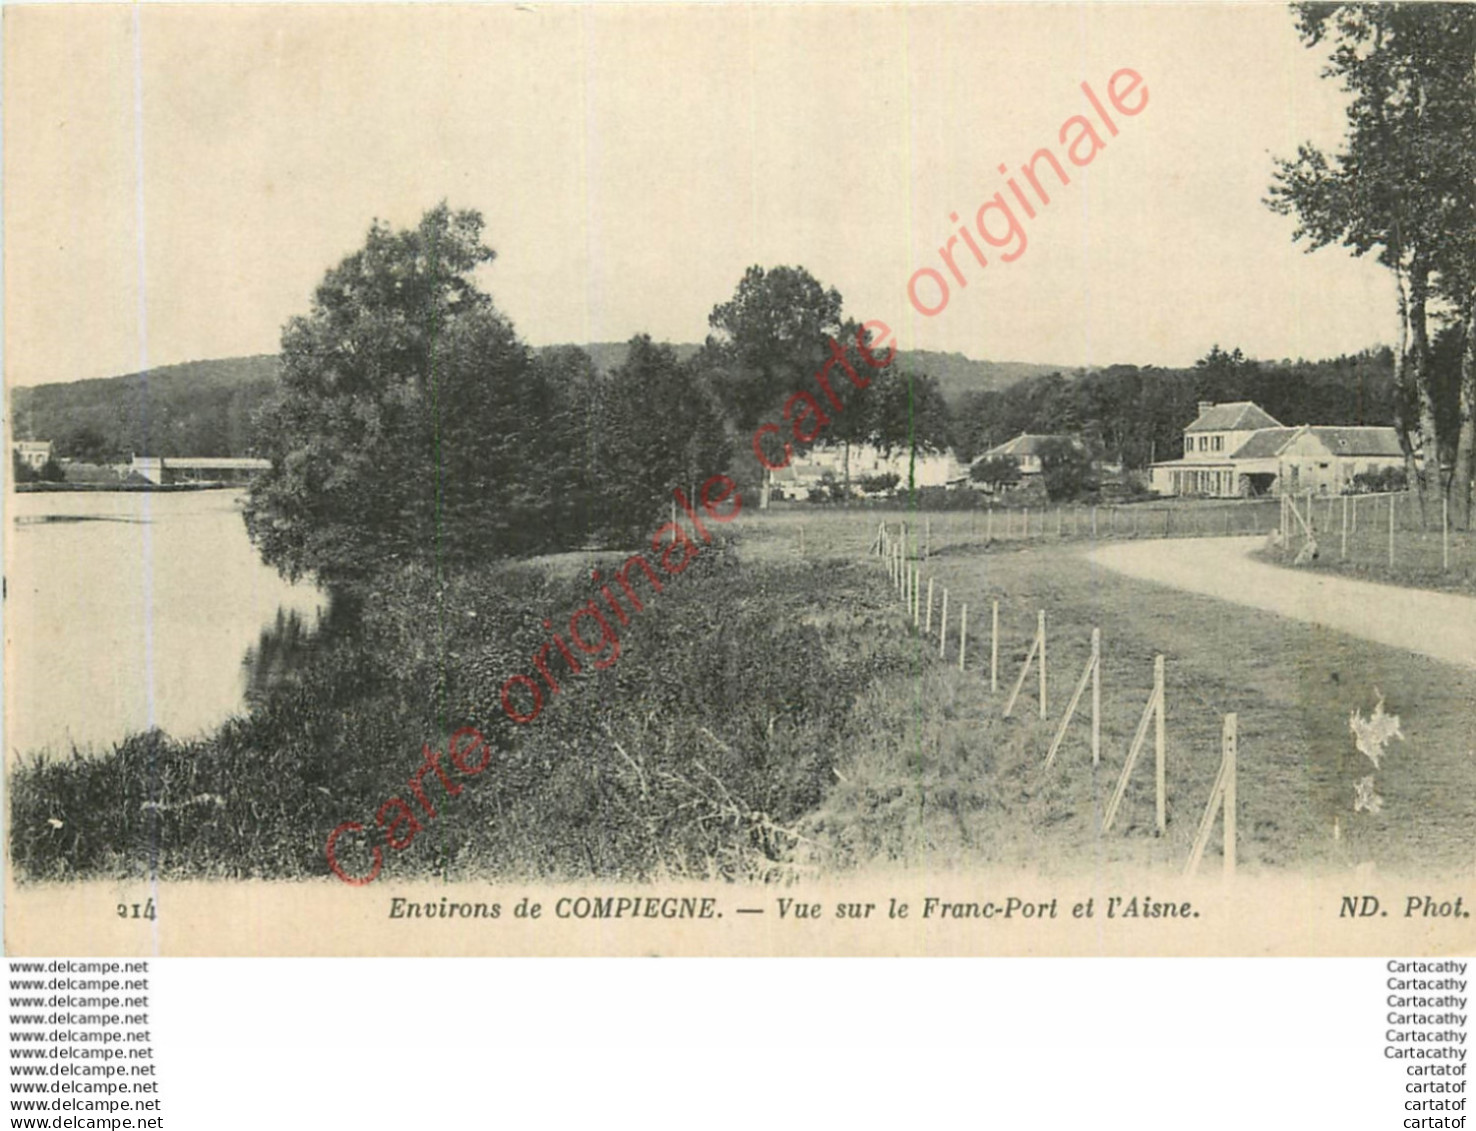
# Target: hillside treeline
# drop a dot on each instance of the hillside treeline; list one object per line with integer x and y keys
{"x": 1137, "y": 413}
{"x": 199, "y": 408}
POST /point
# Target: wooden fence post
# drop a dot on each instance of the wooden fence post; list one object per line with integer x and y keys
{"x": 1222, "y": 799}
{"x": 963, "y": 633}
{"x": 1355, "y": 514}
{"x": 1229, "y": 740}
{"x": 1151, "y": 711}
{"x": 1391, "y": 530}
{"x": 994, "y": 651}
{"x": 1158, "y": 744}
{"x": 1096, "y": 696}
{"x": 943, "y": 628}
{"x": 1094, "y": 521}
{"x": 1040, "y": 628}
{"x": 1445, "y": 532}
{"x": 1089, "y": 673}
{"x": 1343, "y": 553}
{"x": 928, "y": 619}
{"x": 1037, "y": 650}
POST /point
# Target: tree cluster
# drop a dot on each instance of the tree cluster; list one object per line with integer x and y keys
{"x": 411, "y": 426}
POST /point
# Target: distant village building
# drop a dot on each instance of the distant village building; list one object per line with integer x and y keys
{"x": 1024, "y": 449}
{"x": 932, "y": 469}
{"x": 203, "y": 469}
{"x": 1238, "y": 450}
{"x": 33, "y": 453}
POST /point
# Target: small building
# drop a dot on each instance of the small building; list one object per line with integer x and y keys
{"x": 1325, "y": 460}
{"x": 35, "y": 454}
{"x": 1024, "y": 449}
{"x": 197, "y": 469}
{"x": 1238, "y": 450}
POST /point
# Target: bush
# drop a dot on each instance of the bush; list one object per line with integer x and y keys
{"x": 828, "y": 490}
{"x": 1378, "y": 482}
{"x": 879, "y": 484}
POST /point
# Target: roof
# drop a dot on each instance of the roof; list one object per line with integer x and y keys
{"x": 1360, "y": 441}
{"x": 1234, "y": 416}
{"x": 1025, "y": 444}
{"x": 1265, "y": 443}
{"x": 209, "y": 463}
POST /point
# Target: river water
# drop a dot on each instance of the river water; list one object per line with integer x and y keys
{"x": 130, "y": 610}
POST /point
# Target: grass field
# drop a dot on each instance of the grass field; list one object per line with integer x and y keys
{"x": 1425, "y": 557}
{"x": 940, "y": 780}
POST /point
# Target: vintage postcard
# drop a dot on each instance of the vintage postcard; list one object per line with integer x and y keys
{"x": 740, "y": 479}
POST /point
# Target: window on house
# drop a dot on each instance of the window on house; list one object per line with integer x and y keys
{"x": 1219, "y": 443}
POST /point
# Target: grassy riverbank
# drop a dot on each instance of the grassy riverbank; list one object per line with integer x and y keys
{"x": 692, "y": 755}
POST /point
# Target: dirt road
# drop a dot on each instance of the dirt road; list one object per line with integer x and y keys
{"x": 1439, "y": 625}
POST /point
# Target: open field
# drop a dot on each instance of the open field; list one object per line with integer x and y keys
{"x": 954, "y": 785}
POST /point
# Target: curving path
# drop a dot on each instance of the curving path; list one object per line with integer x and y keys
{"x": 1440, "y": 625}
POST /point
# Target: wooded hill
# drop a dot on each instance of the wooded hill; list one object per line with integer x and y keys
{"x": 198, "y": 408}
{"x": 1136, "y": 413}
{"x": 204, "y": 408}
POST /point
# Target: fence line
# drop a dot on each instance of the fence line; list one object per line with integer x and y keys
{"x": 1398, "y": 533}
{"x": 1222, "y": 802}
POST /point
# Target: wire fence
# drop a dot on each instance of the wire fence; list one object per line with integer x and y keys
{"x": 1385, "y": 537}
{"x": 930, "y": 534}
{"x": 920, "y": 595}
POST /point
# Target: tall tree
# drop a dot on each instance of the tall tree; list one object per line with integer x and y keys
{"x": 770, "y": 337}
{"x": 907, "y": 412}
{"x": 408, "y": 424}
{"x": 656, "y": 429}
{"x": 1398, "y": 182}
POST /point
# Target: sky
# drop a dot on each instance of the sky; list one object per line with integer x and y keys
{"x": 177, "y": 179}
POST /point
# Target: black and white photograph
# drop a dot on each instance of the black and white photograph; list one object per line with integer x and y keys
{"x": 740, "y": 479}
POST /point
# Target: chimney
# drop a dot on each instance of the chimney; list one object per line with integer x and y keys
{"x": 1205, "y": 406}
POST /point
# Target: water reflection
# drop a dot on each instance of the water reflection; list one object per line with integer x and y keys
{"x": 285, "y": 646}
{"x": 129, "y": 611}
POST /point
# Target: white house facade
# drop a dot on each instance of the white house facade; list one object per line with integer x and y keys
{"x": 932, "y": 469}
{"x": 32, "y": 453}
{"x": 1238, "y": 450}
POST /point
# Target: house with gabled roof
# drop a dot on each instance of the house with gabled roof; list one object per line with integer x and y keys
{"x": 1238, "y": 449}
{"x": 1024, "y": 449}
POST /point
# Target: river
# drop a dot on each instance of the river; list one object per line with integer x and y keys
{"x": 130, "y": 610}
